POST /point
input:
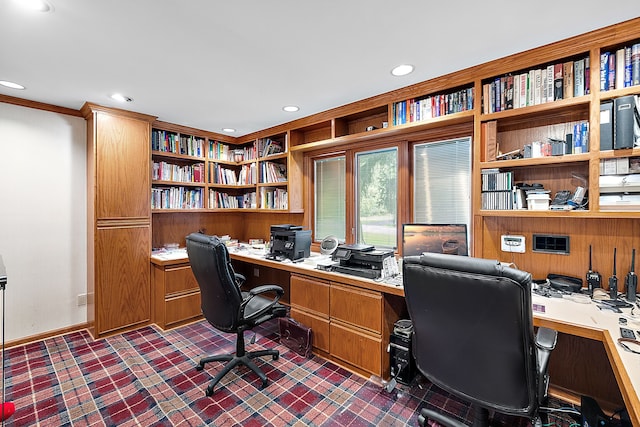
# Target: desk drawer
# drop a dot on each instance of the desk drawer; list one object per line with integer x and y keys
{"x": 179, "y": 279}
{"x": 309, "y": 294}
{"x": 319, "y": 327}
{"x": 357, "y": 348}
{"x": 182, "y": 308}
{"x": 357, "y": 306}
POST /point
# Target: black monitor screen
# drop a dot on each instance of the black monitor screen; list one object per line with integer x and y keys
{"x": 437, "y": 238}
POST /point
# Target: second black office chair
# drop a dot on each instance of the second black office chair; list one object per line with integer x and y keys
{"x": 474, "y": 337}
{"x": 226, "y": 307}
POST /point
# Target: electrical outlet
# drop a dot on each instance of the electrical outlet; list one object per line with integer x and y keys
{"x": 511, "y": 243}
{"x": 82, "y": 299}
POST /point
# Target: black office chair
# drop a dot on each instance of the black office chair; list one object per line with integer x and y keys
{"x": 474, "y": 338}
{"x": 226, "y": 307}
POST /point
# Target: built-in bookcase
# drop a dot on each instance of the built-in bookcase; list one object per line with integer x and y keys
{"x": 178, "y": 174}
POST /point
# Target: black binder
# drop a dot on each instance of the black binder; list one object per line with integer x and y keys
{"x": 624, "y": 108}
{"x": 606, "y": 125}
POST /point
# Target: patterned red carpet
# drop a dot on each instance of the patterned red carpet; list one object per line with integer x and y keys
{"x": 148, "y": 378}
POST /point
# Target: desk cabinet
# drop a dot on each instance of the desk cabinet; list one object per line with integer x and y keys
{"x": 350, "y": 324}
{"x": 176, "y": 295}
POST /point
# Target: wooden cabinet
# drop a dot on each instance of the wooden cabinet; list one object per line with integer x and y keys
{"x": 175, "y": 293}
{"x": 350, "y": 324}
{"x": 119, "y": 222}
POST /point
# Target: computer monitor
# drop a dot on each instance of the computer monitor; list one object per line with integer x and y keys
{"x": 436, "y": 238}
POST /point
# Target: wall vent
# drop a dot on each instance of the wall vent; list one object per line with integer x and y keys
{"x": 551, "y": 244}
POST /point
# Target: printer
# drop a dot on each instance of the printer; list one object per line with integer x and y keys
{"x": 289, "y": 241}
{"x": 360, "y": 260}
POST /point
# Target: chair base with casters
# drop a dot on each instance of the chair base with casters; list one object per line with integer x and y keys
{"x": 240, "y": 357}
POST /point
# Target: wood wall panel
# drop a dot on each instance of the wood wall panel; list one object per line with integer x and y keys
{"x": 603, "y": 234}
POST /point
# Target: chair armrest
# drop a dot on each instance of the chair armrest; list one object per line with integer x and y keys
{"x": 255, "y": 292}
{"x": 546, "y": 338}
{"x": 267, "y": 288}
{"x": 545, "y": 342}
{"x": 240, "y": 279}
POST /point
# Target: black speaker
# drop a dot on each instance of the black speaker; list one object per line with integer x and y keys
{"x": 402, "y": 364}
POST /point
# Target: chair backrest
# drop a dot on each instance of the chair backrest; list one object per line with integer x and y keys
{"x": 473, "y": 329}
{"x": 219, "y": 294}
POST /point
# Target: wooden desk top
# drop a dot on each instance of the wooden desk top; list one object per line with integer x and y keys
{"x": 563, "y": 315}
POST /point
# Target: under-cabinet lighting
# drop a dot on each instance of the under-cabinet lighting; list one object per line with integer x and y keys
{"x": 11, "y": 85}
{"x": 402, "y": 70}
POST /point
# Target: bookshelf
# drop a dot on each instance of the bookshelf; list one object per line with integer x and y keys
{"x": 178, "y": 170}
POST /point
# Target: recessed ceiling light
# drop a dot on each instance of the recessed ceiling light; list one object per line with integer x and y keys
{"x": 228, "y": 130}
{"x": 121, "y": 98}
{"x": 290, "y": 108}
{"x": 11, "y": 85}
{"x": 36, "y": 5}
{"x": 402, "y": 70}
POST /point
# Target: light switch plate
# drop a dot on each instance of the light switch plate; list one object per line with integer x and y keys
{"x": 511, "y": 243}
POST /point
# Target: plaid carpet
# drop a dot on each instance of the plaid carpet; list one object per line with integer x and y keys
{"x": 147, "y": 377}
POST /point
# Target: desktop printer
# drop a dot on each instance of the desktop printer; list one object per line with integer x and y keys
{"x": 360, "y": 260}
{"x": 289, "y": 241}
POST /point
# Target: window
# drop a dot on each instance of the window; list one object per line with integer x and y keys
{"x": 376, "y": 197}
{"x": 330, "y": 199}
{"x": 442, "y": 182}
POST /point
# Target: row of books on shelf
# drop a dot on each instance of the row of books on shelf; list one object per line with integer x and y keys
{"x": 171, "y": 142}
{"x": 620, "y": 68}
{"x": 221, "y": 151}
{"x": 163, "y": 171}
{"x": 536, "y": 86}
{"x": 221, "y": 200}
{"x": 177, "y": 198}
{"x": 221, "y": 175}
{"x": 576, "y": 142}
{"x": 268, "y": 147}
{"x": 273, "y": 198}
{"x": 273, "y": 172}
{"x": 418, "y": 109}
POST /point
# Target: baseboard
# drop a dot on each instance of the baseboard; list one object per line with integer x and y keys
{"x": 45, "y": 335}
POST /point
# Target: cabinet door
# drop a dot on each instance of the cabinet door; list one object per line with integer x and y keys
{"x": 310, "y": 294}
{"x": 122, "y": 293}
{"x": 358, "y": 307}
{"x": 122, "y": 167}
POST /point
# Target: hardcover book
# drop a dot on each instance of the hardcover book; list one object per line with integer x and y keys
{"x": 558, "y": 83}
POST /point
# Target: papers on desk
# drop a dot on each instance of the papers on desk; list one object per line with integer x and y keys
{"x": 170, "y": 255}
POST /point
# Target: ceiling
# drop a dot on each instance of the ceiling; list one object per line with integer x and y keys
{"x": 235, "y": 64}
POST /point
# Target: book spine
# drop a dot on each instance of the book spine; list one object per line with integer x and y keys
{"x": 620, "y": 68}
{"x": 635, "y": 64}
{"x": 551, "y": 82}
{"x": 558, "y": 83}
{"x": 604, "y": 71}
{"x": 578, "y": 78}
{"x": 627, "y": 66}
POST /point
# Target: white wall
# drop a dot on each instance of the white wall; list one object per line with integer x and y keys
{"x": 43, "y": 227}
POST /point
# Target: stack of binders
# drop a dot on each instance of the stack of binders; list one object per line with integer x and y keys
{"x": 620, "y": 123}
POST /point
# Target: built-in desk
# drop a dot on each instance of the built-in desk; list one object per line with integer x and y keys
{"x": 352, "y": 319}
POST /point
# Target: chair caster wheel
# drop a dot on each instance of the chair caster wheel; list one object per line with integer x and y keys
{"x": 264, "y": 383}
{"x": 199, "y": 368}
{"x": 209, "y": 391}
{"x": 275, "y": 356}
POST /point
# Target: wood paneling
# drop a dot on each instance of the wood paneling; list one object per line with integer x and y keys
{"x": 603, "y": 234}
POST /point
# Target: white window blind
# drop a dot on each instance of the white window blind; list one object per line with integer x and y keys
{"x": 442, "y": 182}
{"x": 330, "y": 197}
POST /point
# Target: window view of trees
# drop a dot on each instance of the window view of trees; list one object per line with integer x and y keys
{"x": 377, "y": 206}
